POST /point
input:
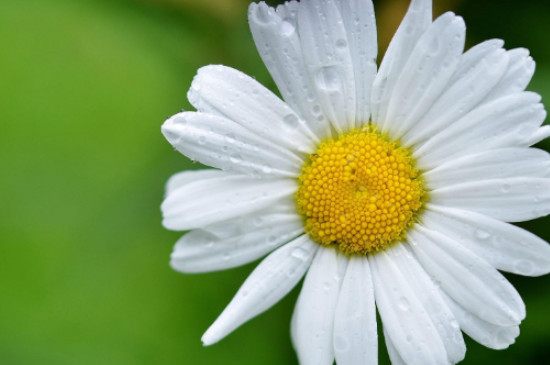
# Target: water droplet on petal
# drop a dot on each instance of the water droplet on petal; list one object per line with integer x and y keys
{"x": 258, "y": 221}
{"x": 235, "y": 158}
{"x": 287, "y": 28}
{"x": 230, "y": 138}
{"x": 403, "y": 304}
{"x": 291, "y": 120}
{"x": 327, "y": 78}
{"x": 341, "y": 344}
{"x": 300, "y": 254}
{"x": 291, "y": 272}
{"x": 202, "y": 140}
{"x": 482, "y": 235}
{"x": 341, "y": 43}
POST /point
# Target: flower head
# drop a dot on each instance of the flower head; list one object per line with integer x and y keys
{"x": 391, "y": 186}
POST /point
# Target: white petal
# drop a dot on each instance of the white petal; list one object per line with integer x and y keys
{"x": 434, "y": 305}
{"x": 205, "y": 202}
{"x": 288, "y": 10}
{"x": 479, "y": 70}
{"x": 431, "y": 298}
{"x": 540, "y": 134}
{"x": 518, "y": 75}
{"x": 494, "y": 164}
{"x": 467, "y": 278}
{"x": 220, "y": 142}
{"x": 509, "y": 199}
{"x": 328, "y": 60}
{"x": 183, "y": 178}
{"x": 202, "y": 251}
{"x": 505, "y": 246}
{"x": 277, "y": 41}
{"x": 395, "y": 358}
{"x": 429, "y": 68}
{"x": 487, "y": 334}
{"x": 415, "y": 22}
{"x": 258, "y": 219}
{"x": 360, "y": 24}
{"x": 474, "y": 55}
{"x": 269, "y": 282}
{"x": 313, "y": 318}
{"x": 355, "y": 336}
{"x": 505, "y": 122}
{"x": 230, "y": 93}
{"x": 402, "y": 310}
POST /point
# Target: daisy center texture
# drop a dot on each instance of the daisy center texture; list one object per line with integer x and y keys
{"x": 359, "y": 192}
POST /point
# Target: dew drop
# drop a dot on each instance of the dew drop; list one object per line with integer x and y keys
{"x": 235, "y": 158}
{"x": 258, "y": 221}
{"x": 202, "y": 140}
{"x": 505, "y": 188}
{"x": 341, "y": 43}
{"x": 327, "y": 78}
{"x": 230, "y": 138}
{"x": 287, "y": 28}
{"x": 291, "y": 120}
{"x": 482, "y": 235}
{"x": 403, "y": 304}
{"x": 300, "y": 254}
{"x": 291, "y": 272}
{"x": 341, "y": 344}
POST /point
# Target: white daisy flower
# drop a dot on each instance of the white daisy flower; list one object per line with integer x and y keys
{"x": 389, "y": 186}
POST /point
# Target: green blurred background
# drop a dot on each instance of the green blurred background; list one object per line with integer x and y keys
{"x": 84, "y": 88}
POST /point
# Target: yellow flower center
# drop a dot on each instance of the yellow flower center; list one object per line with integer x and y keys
{"x": 359, "y": 192}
